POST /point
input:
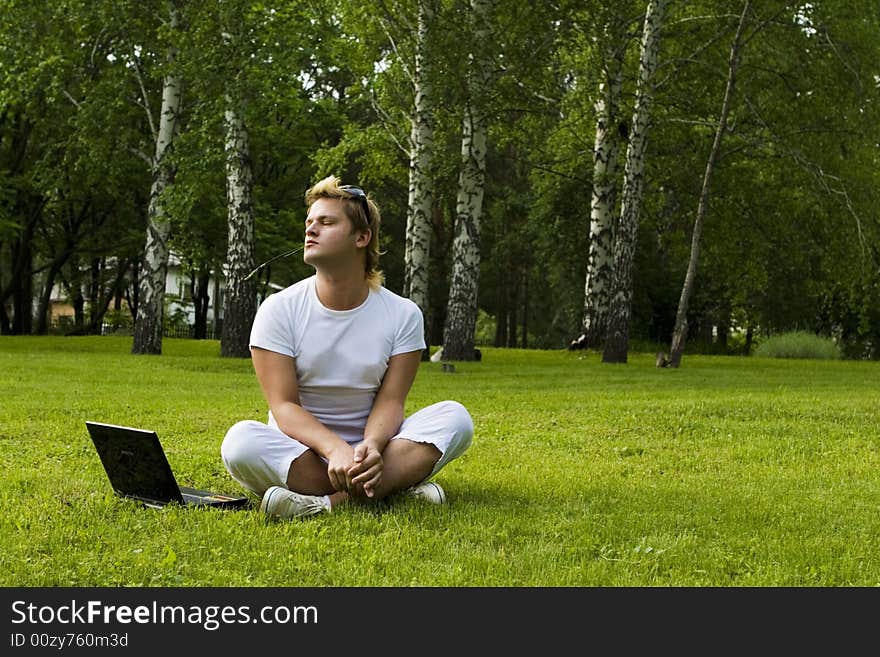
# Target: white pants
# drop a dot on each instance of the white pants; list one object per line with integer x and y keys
{"x": 259, "y": 455}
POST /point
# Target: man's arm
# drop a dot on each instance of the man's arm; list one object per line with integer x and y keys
{"x": 387, "y": 413}
{"x": 385, "y": 419}
{"x": 276, "y": 374}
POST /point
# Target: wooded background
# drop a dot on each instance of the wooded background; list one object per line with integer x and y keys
{"x": 696, "y": 174}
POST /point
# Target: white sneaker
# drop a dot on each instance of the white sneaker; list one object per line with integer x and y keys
{"x": 428, "y": 491}
{"x": 282, "y": 503}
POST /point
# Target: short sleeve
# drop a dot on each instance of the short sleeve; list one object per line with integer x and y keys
{"x": 411, "y": 332}
{"x": 272, "y": 328}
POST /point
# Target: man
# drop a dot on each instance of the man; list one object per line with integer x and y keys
{"x": 336, "y": 355}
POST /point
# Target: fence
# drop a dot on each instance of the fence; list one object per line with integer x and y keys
{"x": 188, "y": 331}
{"x": 63, "y": 326}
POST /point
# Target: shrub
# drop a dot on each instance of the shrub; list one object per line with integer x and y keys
{"x": 798, "y": 344}
{"x": 484, "y": 333}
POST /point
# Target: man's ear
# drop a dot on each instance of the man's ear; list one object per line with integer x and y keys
{"x": 363, "y": 238}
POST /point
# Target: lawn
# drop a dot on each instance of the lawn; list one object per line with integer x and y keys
{"x": 727, "y": 472}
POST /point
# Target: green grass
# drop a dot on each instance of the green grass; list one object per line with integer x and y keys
{"x": 726, "y": 472}
{"x": 798, "y": 344}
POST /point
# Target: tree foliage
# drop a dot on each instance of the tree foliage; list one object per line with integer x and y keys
{"x": 791, "y": 239}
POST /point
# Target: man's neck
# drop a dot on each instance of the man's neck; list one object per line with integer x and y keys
{"x": 342, "y": 290}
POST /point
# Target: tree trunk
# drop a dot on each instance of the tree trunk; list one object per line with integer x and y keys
{"x": 216, "y": 307}
{"x": 679, "y": 334}
{"x": 78, "y": 301}
{"x": 723, "y": 334}
{"x": 602, "y": 207}
{"x": 240, "y": 299}
{"x": 43, "y": 309}
{"x": 461, "y": 310}
{"x": 502, "y": 309}
{"x": 525, "y": 312}
{"x": 95, "y": 289}
{"x": 23, "y": 290}
{"x": 72, "y": 238}
{"x": 132, "y": 291}
{"x": 5, "y": 323}
{"x": 121, "y": 267}
{"x": 20, "y": 286}
{"x": 99, "y": 307}
{"x": 750, "y": 339}
{"x": 617, "y": 338}
{"x": 154, "y": 263}
{"x": 29, "y": 205}
{"x": 512, "y": 307}
{"x": 199, "y": 282}
{"x": 417, "y": 256}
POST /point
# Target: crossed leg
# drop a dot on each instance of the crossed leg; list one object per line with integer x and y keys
{"x": 405, "y": 464}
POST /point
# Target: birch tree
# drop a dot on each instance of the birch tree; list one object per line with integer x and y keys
{"x": 617, "y": 339}
{"x": 240, "y": 294}
{"x": 679, "y": 335}
{"x": 604, "y": 195}
{"x": 249, "y": 129}
{"x": 240, "y": 300}
{"x": 461, "y": 310}
{"x": 154, "y": 263}
{"x": 417, "y": 256}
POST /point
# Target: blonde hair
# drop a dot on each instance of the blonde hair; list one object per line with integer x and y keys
{"x": 330, "y": 187}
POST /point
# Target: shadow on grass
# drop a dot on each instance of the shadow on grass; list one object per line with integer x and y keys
{"x": 487, "y": 494}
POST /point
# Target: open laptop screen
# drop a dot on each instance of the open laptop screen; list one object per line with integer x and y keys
{"x": 135, "y": 463}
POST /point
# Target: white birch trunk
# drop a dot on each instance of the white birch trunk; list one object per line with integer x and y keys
{"x": 461, "y": 310}
{"x": 679, "y": 334}
{"x": 154, "y": 264}
{"x": 602, "y": 206}
{"x": 617, "y": 338}
{"x": 419, "y": 207}
{"x": 240, "y": 301}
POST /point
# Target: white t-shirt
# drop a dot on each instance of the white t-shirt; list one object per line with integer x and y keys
{"x": 341, "y": 355}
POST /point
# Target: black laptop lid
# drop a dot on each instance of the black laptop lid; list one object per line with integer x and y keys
{"x": 135, "y": 463}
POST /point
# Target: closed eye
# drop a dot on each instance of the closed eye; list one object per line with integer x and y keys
{"x": 324, "y": 221}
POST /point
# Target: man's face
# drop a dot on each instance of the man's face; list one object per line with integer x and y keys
{"x": 329, "y": 236}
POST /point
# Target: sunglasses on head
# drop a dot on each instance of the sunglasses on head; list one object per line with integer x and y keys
{"x": 360, "y": 195}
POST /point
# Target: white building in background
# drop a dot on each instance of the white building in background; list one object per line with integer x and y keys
{"x": 177, "y": 292}
{"x": 178, "y": 297}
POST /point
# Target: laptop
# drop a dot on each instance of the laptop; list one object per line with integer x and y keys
{"x": 138, "y": 469}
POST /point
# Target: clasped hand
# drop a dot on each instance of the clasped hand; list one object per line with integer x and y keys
{"x": 357, "y": 470}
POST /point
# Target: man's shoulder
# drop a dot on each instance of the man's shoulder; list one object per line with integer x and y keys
{"x": 402, "y": 304}
{"x": 292, "y": 292}
{"x": 283, "y": 304}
